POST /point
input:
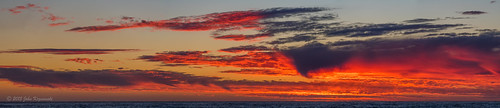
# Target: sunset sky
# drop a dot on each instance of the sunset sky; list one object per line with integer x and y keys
{"x": 235, "y": 50}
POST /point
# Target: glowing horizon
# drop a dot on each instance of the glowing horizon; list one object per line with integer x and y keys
{"x": 274, "y": 51}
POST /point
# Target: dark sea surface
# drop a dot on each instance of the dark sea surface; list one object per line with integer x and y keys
{"x": 251, "y": 104}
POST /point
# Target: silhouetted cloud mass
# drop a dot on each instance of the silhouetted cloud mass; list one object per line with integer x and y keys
{"x": 466, "y": 55}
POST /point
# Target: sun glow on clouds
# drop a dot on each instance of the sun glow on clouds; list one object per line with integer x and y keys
{"x": 368, "y": 63}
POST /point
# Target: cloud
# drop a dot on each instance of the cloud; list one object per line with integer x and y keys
{"x": 17, "y": 66}
{"x": 51, "y": 78}
{"x": 271, "y": 72}
{"x": 222, "y": 22}
{"x": 241, "y": 37}
{"x": 213, "y": 21}
{"x": 452, "y": 34}
{"x": 358, "y": 88}
{"x": 420, "y": 20}
{"x": 255, "y": 60}
{"x": 381, "y": 29}
{"x": 309, "y": 30}
{"x": 296, "y": 38}
{"x": 60, "y": 24}
{"x": 472, "y": 12}
{"x": 245, "y": 48}
{"x": 68, "y": 51}
{"x": 44, "y": 14}
{"x": 456, "y": 55}
{"x": 316, "y": 56}
{"x": 85, "y": 60}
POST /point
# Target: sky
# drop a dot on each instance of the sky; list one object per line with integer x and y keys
{"x": 280, "y": 50}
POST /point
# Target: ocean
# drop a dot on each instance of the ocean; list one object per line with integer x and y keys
{"x": 376, "y": 104}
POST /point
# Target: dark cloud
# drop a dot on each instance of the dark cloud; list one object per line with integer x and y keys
{"x": 296, "y": 38}
{"x": 285, "y": 12}
{"x": 241, "y": 37}
{"x": 51, "y": 78}
{"x": 452, "y": 34}
{"x": 420, "y": 20}
{"x": 324, "y": 17}
{"x": 245, "y": 48}
{"x": 17, "y": 66}
{"x": 457, "y": 55}
{"x": 425, "y": 20}
{"x": 472, "y": 12}
{"x": 276, "y": 27}
{"x": 68, "y": 51}
{"x": 381, "y": 29}
{"x": 304, "y": 29}
{"x": 315, "y": 56}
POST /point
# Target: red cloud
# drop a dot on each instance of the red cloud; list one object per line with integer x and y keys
{"x": 42, "y": 10}
{"x": 219, "y": 22}
{"x": 238, "y": 19}
{"x": 271, "y": 60}
{"x": 60, "y": 24}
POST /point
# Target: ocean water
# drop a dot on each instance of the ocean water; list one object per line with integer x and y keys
{"x": 252, "y": 104}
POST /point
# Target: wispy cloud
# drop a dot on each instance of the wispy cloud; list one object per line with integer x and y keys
{"x": 48, "y": 16}
{"x": 245, "y": 48}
